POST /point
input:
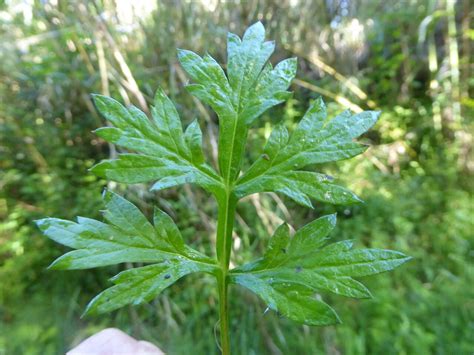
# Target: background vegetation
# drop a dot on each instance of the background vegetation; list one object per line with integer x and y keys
{"x": 410, "y": 59}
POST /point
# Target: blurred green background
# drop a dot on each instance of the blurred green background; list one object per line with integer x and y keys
{"x": 410, "y": 59}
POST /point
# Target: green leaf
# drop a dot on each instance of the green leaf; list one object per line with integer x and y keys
{"x": 193, "y": 138}
{"x": 291, "y": 300}
{"x": 250, "y": 88}
{"x": 294, "y": 268}
{"x": 140, "y": 285}
{"x": 164, "y": 153}
{"x": 315, "y": 140}
{"x": 126, "y": 236}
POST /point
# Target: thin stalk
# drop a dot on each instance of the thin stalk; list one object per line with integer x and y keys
{"x": 223, "y": 314}
{"x": 225, "y": 226}
{"x": 225, "y": 221}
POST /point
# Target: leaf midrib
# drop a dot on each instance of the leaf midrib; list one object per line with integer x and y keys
{"x": 271, "y": 169}
{"x": 175, "y": 254}
{"x": 180, "y": 158}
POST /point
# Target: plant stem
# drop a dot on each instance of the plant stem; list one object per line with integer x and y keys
{"x": 225, "y": 226}
{"x": 223, "y": 314}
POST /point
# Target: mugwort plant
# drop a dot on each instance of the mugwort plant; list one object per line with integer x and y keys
{"x": 295, "y": 266}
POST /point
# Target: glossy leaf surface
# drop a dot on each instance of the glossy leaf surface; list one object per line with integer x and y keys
{"x": 164, "y": 153}
{"x": 315, "y": 140}
{"x": 126, "y": 236}
{"x": 294, "y": 268}
{"x": 250, "y": 88}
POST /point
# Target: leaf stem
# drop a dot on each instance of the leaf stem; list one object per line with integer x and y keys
{"x": 225, "y": 226}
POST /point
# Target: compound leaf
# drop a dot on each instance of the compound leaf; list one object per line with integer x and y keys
{"x": 294, "y": 268}
{"x": 315, "y": 140}
{"x": 164, "y": 153}
{"x": 292, "y": 300}
{"x": 139, "y": 285}
{"x": 126, "y": 236}
{"x": 251, "y": 87}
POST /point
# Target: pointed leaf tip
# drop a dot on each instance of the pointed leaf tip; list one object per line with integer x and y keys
{"x": 180, "y": 51}
{"x": 107, "y": 195}
{"x": 320, "y": 100}
{"x": 89, "y": 311}
{"x": 285, "y": 227}
{"x": 99, "y": 98}
{"x": 257, "y": 30}
{"x": 159, "y": 94}
{"x": 51, "y": 266}
{"x": 39, "y": 222}
{"x": 332, "y": 219}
